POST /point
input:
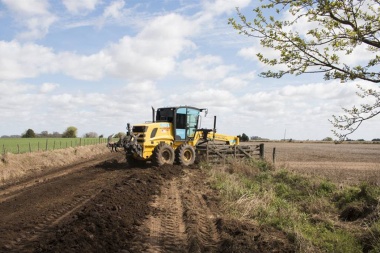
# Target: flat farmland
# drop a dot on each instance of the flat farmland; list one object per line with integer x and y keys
{"x": 26, "y": 145}
{"x": 344, "y": 163}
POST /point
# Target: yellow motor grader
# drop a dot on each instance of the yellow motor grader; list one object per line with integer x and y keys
{"x": 174, "y": 135}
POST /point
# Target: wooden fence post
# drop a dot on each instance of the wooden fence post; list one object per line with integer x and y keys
{"x": 262, "y": 154}
{"x": 3, "y": 149}
{"x": 207, "y": 152}
{"x": 30, "y": 150}
{"x": 46, "y": 145}
{"x": 18, "y": 149}
{"x": 53, "y": 145}
{"x": 274, "y": 155}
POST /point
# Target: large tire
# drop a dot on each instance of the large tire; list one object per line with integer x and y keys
{"x": 185, "y": 155}
{"x": 163, "y": 154}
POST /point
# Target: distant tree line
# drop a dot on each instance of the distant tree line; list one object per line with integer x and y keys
{"x": 331, "y": 139}
{"x": 243, "y": 137}
{"x": 70, "y": 132}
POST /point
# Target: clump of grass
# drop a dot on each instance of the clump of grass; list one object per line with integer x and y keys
{"x": 307, "y": 209}
{"x": 371, "y": 239}
{"x": 4, "y": 158}
{"x": 364, "y": 192}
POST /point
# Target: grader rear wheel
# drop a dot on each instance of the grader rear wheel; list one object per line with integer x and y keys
{"x": 163, "y": 154}
{"x": 185, "y": 155}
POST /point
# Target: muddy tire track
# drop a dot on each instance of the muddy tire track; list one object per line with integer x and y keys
{"x": 199, "y": 215}
{"x": 30, "y": 212}
{"x": 165, "y": 227}
{"x": 12, "y": 191}
{"x": 27, "y": 238}
{"x": 181, "y": 220}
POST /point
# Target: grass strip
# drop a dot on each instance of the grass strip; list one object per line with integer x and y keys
{"x": 316, "y": 214}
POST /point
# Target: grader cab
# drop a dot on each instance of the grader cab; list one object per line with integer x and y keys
{"x": 174, "y": 135}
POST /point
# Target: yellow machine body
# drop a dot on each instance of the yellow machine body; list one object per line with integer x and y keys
{"x": 172, "y": 127}
{"x": 149, "y": 135}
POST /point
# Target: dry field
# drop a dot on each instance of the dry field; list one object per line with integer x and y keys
{"x": 342, "y": 163}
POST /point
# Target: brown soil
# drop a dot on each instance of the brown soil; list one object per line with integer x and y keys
{"x": 342, "y": 163}
{"x": 109, "y": 207}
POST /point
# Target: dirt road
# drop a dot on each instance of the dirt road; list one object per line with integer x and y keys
{"x": 105, "y": 206}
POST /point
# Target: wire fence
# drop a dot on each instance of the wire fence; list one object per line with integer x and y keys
{"x": 29, "y": 145}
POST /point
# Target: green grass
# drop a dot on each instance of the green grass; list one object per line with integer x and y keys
{"x": 313, "y": 212}
{"x": 24, "y": 145}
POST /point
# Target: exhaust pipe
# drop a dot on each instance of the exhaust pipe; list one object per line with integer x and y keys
{"x": 214, "y": 130}
{"x": 153, "y": 115}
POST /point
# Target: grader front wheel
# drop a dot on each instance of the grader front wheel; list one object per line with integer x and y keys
{"x": 163, "y": 154}
{"x": 185, "y": 155}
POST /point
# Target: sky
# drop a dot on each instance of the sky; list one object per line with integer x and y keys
{"x": 98, "y": 65}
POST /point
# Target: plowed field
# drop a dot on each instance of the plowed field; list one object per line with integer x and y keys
{"x": 343, "y": 163}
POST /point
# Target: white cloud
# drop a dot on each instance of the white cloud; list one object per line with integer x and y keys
{"x": 237, "y": 82}
{"x": 75, "y": 6}
{"x": 206, "y": 67}
{"x": 139, "y": 93}
{"x": 8, "y": 89}
{"x": 28, "y": 8}
{"x": 82, "y": 67}
{"x": 38, "y": 27}
{"x": 250, "y": 53}
{"x": 25, "y": 60}
{"x": 152, "y": 53}
{"x": 218, "y": 7}
{"x": 32, "y": 14}
{"x": 209, "y": 18}
{"x": 17, "y": 102}
{"x": 114, "y": 10}
{"x": 331, "y": 90}
{"x": 48, "y": 87}
{"x": 211, "y": 71}
{"x": 309, "y": 102}
{"x": 206, "y": 98}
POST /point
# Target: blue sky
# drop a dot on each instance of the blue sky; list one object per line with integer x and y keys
{"x": 97, "y": 64}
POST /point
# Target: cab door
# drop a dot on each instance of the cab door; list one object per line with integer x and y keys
{"x": 186, "y": 123}
{"x": 192, "y": 116}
